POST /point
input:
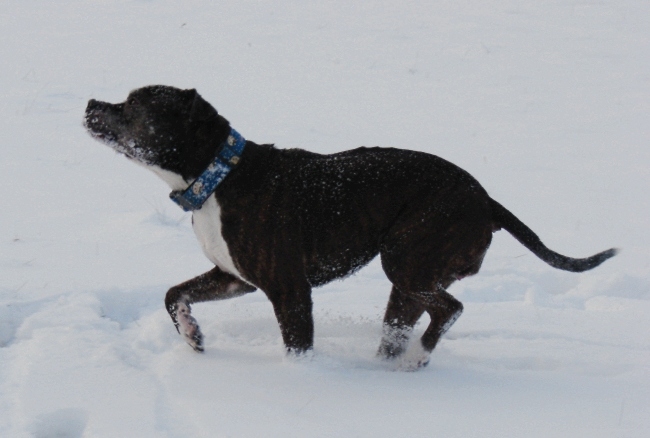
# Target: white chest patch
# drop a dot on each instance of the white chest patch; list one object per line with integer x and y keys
{"x": 207, "y": 227}
{"x": 206, "y": 223}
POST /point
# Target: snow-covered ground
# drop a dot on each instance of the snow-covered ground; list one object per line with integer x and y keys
{"x": 546, "y": 103}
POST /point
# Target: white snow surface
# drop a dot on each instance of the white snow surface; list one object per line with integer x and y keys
{"x": 546, "y": 103}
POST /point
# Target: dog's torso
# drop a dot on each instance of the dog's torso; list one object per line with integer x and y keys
{"x": 327, "y": 213}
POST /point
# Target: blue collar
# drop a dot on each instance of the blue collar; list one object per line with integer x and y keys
{"x": 200, "y": 190}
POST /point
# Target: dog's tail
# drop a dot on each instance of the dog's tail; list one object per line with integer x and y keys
{"x": 502, "y": 218}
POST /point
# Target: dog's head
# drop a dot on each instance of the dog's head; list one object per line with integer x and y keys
{"x": 162, "y": 127}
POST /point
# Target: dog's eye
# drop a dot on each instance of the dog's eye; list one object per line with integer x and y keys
{"x": 132, "y": 101}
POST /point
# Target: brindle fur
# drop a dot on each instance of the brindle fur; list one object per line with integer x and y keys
{"x": 294, "y": 220}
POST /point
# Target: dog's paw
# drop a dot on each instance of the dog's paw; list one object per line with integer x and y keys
{"x": 189, "y": 328}
{"x": 389, "y": 351}
{"x": 415, "y": 358}
{"x": 393, "y": 342}
{"x": 299, "y": 355}
{"x": 195, "y": 338}
{"x": 411, "y": 366}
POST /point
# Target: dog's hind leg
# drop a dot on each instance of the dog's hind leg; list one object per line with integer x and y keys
{"x": 401, "y": 315}
{"x": 444, "y": 310}
{"x": 403, "y": 311}
{"x": 426, "y": 251}
{"x": 213, "y": 285}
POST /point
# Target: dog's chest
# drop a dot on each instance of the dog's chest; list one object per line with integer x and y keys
{"x": 207, "y": 227}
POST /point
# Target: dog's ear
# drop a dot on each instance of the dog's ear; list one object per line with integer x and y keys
{"x": 200, "y": 110}
{"x": 205, "y": 127}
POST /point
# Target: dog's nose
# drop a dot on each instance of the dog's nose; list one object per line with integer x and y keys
{"x": 94, "y": 112}
{"x": 98, "y": 106}
{"x": 92, "y": 104}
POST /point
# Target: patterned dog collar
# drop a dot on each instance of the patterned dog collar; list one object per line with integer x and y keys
{"x": 202, "y": 187}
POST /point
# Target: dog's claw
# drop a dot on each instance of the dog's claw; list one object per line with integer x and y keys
{"x": 196, "y": 342}
{"x": 198, "y": 347}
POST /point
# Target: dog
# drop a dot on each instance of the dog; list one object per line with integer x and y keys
{"x": 287, "y": 220}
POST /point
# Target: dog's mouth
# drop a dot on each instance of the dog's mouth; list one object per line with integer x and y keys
{"x": 109, "y": 138}
{"x": 95, "y": 125}
{"x": 97, "y": 128}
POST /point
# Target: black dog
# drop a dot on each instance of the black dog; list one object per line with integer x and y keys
{"x": 285, "y": 221}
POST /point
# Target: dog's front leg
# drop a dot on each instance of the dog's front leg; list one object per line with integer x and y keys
{"x": 293, "y": 309}
{"x": 211, "y": 286}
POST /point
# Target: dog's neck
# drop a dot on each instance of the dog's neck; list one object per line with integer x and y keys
{"x": 193, "y": 197}
{"x": 174, "y": 181}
